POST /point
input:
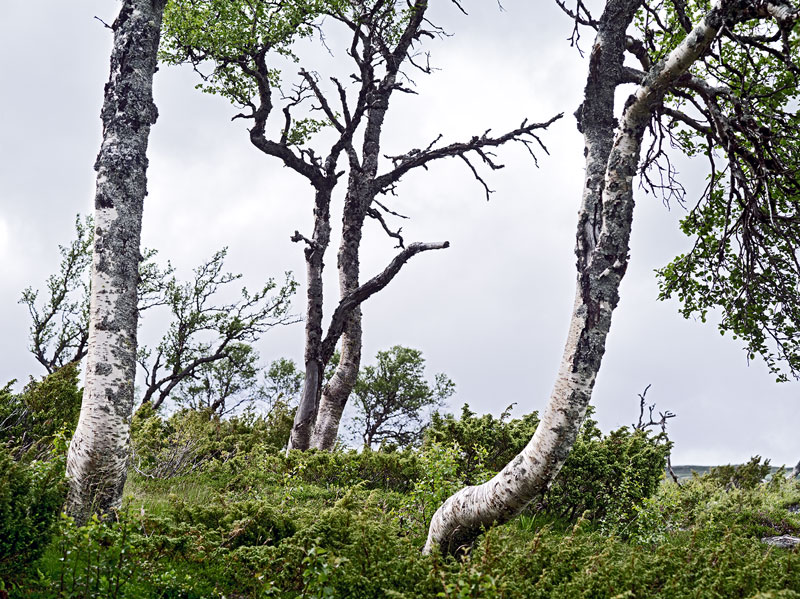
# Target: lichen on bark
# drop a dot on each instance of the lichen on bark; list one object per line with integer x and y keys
{"x": 98, "y": 453}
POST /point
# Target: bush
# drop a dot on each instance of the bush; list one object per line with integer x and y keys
{"x": 235, "y": 524}
{"x": 190, "y": 440}
{"x": 486, "y": 443}
{"x": 29, "y": 421}
{"x": 602, "y": 475}
{"x": 710, "y": 502}
{"x": 31, "y": 495}
{"x": 742, "y": 476}
{"x": 607, "y": 477}
{"x": 387, "y": 470}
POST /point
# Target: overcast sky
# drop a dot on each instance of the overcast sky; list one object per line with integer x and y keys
{"x": 491, "y": 311}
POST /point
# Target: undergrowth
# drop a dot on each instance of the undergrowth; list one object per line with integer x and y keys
{"x": 245, "y": 521}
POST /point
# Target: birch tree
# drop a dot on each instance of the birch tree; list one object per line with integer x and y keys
{"x": 721, "y": 72}
{"x": 205, "y": 330}
{"x": 393, "y": 401}
{"x": 98, "y": 453}
{"x": 243, "y": 42}
{"x": 60, "y": 324}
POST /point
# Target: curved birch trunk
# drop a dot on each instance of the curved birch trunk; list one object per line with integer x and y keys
{"x": 98, "y": 454}
{"x": 337, "y": 391}
{"x": 463, "y": 516}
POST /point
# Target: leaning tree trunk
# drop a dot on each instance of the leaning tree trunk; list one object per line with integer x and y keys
{"x": 98, "y": 454}
{"x": 462, "y": 517}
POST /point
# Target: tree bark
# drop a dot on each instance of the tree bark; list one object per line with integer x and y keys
{"x": 602, "y": 261}
{"x": 303, "y": 426}
{"x": 98, "y": 454}
{"x": 337, "y": 391}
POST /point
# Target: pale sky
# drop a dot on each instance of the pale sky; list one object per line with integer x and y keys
{"x": 491, "y": 311}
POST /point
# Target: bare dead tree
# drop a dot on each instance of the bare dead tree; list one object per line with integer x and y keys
{"x": 385, "y": 38}
{"x": 661, "y": 423}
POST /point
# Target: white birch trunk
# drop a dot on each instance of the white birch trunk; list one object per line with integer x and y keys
{"x": 337, "y": 390}
{"x": 98, "y": 454}
{"x": 462, "y": 517}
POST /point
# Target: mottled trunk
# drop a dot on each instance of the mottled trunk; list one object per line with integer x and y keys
{"x": 602, "y": 261}
{"x": 98, "y": 454}
{"x": 346, "y": 320}
{"x": 358, "y": 200}
{"x": 305, "y": 416}
{"x": 337, "y": 391}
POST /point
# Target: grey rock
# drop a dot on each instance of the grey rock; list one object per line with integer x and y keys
{"x": 783, "y": 541}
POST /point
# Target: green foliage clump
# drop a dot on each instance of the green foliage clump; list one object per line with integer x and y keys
{"x": 191, "y": 440}
{"x": 607, "y": 477}
{"x": 486, "y": 443}
{"x": 234, "y": 34}
{"x": 95, "y": 561}
{"x": 237, "y": 523}
{"x": 30, "y": 420}
{"x": 753, "y": 508}
{"x": 742, "y": 476}
{"x": 31, "y": 495}
{"x": 34, "y": 426}
{"x": 602, "y": 477}
{"x": 743, "y": 264}
{"x": 387, "y": 470}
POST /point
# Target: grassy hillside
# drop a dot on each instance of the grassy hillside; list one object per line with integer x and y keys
{"x": 348, "y": 526}
{"x": 214, "y": 509}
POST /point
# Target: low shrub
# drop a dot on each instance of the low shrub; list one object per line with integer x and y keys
{"x": 190, "y": 440}
{"x": 741, "y": 476}
{"x": 235, "y": 523}
{"x": 604, "y": 476}
{"x": 391, "y": 470}
{"x": 607, "y": 477}
{"x": 29, "y": 421}
{"x": 486, "y": 443}
{"x": 31, "y": 495}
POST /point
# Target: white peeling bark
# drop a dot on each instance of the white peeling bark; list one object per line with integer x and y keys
{"x": 98, "y": 454}
{"x": 602, "y": 261}
{"x": 337, "y": 391}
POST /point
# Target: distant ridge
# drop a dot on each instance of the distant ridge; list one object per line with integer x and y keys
{"x": 684, "y": 472}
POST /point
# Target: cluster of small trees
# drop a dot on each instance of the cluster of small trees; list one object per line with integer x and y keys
{"x": 712, "y": 78}
{"x": 206, "y": 359}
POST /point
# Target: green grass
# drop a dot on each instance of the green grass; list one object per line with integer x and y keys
{"x": 216, "y": 535}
